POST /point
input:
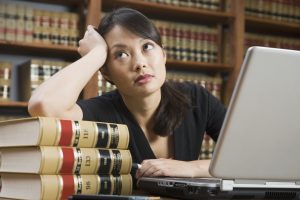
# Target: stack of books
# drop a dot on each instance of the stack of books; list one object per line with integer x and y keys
{"x": 49, "y": 158}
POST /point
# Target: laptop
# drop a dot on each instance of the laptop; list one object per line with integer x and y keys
{"x": 257, "y": 155}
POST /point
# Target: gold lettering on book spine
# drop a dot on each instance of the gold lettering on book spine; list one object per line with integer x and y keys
{"x": 88, "y": 134}
{"x": 90, "y": 184}
{"x": 90, "y": 161}
{"x": 49, "y": 131}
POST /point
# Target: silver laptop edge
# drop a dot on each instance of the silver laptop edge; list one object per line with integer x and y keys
{"x": 227, "y": 183}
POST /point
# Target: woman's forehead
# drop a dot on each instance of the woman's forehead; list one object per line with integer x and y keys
{"x": 119, "y": 32}
{"x": 121, "y": 35}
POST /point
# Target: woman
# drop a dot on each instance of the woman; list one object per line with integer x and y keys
{"x": 166, "y": 121}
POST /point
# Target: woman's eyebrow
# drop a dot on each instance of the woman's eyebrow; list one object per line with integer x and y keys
{"x": 119, "y": 46}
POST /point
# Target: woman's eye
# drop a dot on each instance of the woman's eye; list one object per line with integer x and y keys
{"x": 120, "y": 55}
{"x": 148, "y": 46}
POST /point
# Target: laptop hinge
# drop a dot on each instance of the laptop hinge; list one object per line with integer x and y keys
{"x": 229, "y": 185}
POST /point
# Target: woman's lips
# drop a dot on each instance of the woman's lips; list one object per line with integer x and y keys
{"x": 143, "y": 78}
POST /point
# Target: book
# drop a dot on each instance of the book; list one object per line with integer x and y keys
{"x": 33, "y": 73}
{"x": 65, "y": 160}
{"x": 47, "y": 131}
{"x": 52, "y": 187}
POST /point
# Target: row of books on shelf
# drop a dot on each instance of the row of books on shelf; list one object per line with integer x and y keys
{"x": 281, "y": 10}
{"x": 66, "y": 157}
{"x": 203, "y": 4}
{"x": 23, "y": 23}
{"x": 29, "y": 76}
{"x": 213, "y": 84}
{"x": 187, "y": 42}
{"x": 34, "y": 72}
{"x": 252, "y": 39}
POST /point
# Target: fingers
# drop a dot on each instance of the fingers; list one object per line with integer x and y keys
{"x": 153, "y": 167}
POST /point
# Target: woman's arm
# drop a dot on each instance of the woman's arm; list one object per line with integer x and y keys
{"x": 57, "y": 96}
{"x": 174, "y": 168}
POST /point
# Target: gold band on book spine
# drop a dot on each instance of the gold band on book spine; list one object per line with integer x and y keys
{"x": 126, "y": 161}
{"x": 86, "y": 161}
{"x": 49, "y": 132}
{"x": 52, "y": 158}
{"x": 51, "y": 187}
{"x": 126, "y": 181}
{"x": 85, "y": 134}
{"x": 123, "y": 137}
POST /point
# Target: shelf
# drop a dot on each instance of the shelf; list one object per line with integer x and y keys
{"x": 65, "y": 2}
{"x": 38, "y": 49}
{"x": 13, "y": 104}
{"x": 14, "y": 108}
{"x": 165, "y": 11}
{"x": 268, "y": 26}
{"x": 189, "y": 65}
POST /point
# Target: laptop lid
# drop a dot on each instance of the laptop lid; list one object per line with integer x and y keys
{"x": 256, "y": 154}
{"x": 260, "y": 137}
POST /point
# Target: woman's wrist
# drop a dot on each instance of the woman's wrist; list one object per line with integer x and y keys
{"x": 98, "y": 55}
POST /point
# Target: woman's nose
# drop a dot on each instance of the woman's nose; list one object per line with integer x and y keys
{"x": 140, "y": 63}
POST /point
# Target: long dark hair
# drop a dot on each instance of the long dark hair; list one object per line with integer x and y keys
{"x": 174, "y": 104}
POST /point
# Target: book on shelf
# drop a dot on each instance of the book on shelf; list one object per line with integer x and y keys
{"x": 279, "y": 10}
{"x": 199, "y": 4}
{"x": 53, "y": 187}
{"x": 33, "y": 73}
{"x": 5, "y": 80}
{"x": 47, "y": 131}
{"x": 28, "y": 23}
{"x": 65, "y": 160}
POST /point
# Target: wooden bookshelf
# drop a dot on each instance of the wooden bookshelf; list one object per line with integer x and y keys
{"x": 189, "y": 65}
{"x": 38, "y": 49}
{"x": 263, "y": 25}
{"x": 13, "y": 104}
{"x": 165, "y": 11}
{"x": 13, "y": 108}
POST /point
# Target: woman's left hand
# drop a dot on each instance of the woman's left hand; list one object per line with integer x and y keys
{"x": 173, "y": 168}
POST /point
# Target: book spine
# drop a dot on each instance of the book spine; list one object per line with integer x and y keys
{"x": 56, "y": 132}
{"x": 70, "y": 160}
{"x": 63, "y": 186}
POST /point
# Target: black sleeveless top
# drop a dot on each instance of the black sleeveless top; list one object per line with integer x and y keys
{"x": 206, "y": 115}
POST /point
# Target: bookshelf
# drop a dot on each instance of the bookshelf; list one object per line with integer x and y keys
{"x": 231, "y": 17}
{"x": 38, "y": 49}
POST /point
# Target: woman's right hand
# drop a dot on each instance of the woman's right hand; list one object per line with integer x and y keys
{"x": 90, "y": 40}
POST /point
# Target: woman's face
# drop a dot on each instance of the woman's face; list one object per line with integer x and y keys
{"x": 135, "y": 65}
